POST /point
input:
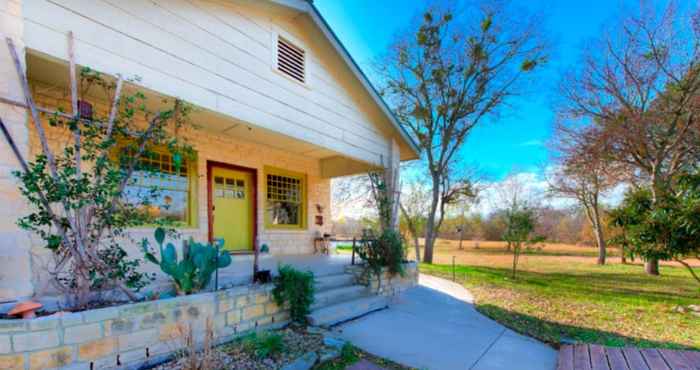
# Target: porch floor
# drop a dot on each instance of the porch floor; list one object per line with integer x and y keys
{"x": 241, "y": 269}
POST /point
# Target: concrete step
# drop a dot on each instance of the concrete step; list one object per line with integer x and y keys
{"x": 341, "y": 312}
{"x": 338, "y": 295}
{"x": 333, "y": 281}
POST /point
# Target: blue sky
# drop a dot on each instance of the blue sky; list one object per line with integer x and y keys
{"x": 515, "y": 142}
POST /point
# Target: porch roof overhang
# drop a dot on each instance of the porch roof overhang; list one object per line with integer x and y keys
{"x": 54, "y": 74}
{"x": 308, "y": 7}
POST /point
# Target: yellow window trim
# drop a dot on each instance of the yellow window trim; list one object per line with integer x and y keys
{"x": 302, "y": 225}
{"x": 192, "y": 216}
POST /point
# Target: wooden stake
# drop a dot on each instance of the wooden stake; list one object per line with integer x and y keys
{"x": 32, "y": 107}
{"x": 115, "y": 105}
{"x": 73, "y": 77}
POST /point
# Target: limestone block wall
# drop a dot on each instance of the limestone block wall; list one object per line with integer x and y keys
{"x": 134, "y": 335}
{"x": 15, "y": 274}
{"x": 387, "y": 284}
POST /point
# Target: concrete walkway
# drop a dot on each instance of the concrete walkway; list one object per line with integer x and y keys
{"x": 435, "y": 326}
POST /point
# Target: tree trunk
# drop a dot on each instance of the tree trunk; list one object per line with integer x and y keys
{"x": 516, "y": 256}
{"x": 428, "y": 249}
{"x": 651, "y": 266}
{"x": 430, "y": 224}
{"x": 623, "y": 255}
{"x": 415, "y": 242}
{"x": 591, "y": 207}
{"x": 601, "y": 248}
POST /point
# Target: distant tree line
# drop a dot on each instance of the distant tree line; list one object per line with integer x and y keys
{"x": 568, "y": 226}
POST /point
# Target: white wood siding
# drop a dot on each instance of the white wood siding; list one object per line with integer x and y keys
{"x": 219, "y": 55}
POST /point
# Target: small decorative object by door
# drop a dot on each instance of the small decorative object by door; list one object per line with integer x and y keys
{"x": 262, "y": 276}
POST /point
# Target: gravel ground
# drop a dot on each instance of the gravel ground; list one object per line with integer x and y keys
{"x": 240, "y": 354}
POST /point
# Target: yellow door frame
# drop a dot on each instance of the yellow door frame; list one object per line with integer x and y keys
{"x": 210, "y": 197}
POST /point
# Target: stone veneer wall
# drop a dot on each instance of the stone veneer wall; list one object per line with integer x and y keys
{"x": 133, "y": 335}
{"x": 390, "y": 285}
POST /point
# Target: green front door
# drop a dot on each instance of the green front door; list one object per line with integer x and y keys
{"x": 233, "y": 208}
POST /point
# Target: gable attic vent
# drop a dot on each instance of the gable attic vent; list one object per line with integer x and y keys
{"x": 291, "y": 60}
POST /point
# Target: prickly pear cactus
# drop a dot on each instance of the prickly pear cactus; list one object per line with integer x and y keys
{"x": 193, "y": 272}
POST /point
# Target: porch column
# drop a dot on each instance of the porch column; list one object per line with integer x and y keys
{"x": 393, "y": 183}
{"x": 15, "y": 259}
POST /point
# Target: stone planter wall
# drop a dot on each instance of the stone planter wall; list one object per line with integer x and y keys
{"x": 133, "y": 335}
{"x": 390, "y": 285}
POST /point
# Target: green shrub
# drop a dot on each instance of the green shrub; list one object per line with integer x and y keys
{"x": 385, "y": 251}
{"x": 296, "y": 289}
{"x": 263, "y": 345}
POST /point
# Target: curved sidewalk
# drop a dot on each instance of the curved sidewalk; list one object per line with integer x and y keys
{"x": 435, "y": 326}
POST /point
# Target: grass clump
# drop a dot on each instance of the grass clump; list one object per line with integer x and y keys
{"x": 263, "y": 345}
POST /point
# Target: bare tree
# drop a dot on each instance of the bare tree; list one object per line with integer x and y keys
{"x": 640, "y": 83}
{"x": 445, "y": 75}
{"x": 518, "y": 205}
{"x": 582, "y": 173}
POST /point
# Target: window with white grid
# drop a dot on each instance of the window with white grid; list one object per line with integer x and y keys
{"x": 284, "y": 200}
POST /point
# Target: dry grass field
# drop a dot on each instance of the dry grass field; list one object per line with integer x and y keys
{"x": 560, "y": 294}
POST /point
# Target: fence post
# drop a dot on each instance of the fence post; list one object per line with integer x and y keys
{"x": 453, "y": 269}
{"x": 352, "y": 262}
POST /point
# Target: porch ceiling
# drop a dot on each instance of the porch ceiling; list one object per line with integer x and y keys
{"x": 54, "y": 73}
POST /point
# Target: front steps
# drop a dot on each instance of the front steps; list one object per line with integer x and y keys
{"x": 339, "y": 298}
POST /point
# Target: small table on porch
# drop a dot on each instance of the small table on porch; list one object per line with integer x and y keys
{"x": 322, "y": 245}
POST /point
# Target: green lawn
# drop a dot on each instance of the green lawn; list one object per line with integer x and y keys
{"x": 556, "y": 298}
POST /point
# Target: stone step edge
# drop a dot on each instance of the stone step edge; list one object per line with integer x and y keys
{"x": 358, "y": 291}
{"x": 374, "y": 302}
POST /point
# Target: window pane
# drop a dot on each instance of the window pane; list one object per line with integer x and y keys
{"x": 161, "y": 189}
{"x": 284, "y": 200}
{"x": 283, "y": 213}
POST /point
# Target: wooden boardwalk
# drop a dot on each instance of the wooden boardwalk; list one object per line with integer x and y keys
{"x": 595, "y": 357}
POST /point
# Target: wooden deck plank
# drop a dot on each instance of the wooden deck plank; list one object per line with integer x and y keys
{"x": 582, "y": 359}
{"x": 566, "y": 358}
{"x": 598, "y": 359}
{"x": 693, "y": 358}
{"x": 634, "y": 359}
{"x": 654, "y": 359}
{"x": 676, "y": 360}
{"x": 616, "y": 359}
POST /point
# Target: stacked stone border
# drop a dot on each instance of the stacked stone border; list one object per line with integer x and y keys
{"x": 390, "y": 285}
{"x": 135, "y": 335}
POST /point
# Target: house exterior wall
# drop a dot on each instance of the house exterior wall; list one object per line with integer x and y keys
{"x": 15, "y": 271}
{"x": 219, "y": 55}
{"x": 209, "y": 147}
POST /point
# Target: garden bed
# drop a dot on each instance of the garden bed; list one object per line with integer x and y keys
{"x": 293, "y": 347}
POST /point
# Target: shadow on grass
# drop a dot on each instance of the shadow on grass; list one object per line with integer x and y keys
{"x": 555, "y": 333}
{"x": 600, "y": 284}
